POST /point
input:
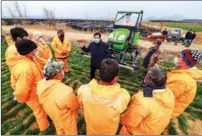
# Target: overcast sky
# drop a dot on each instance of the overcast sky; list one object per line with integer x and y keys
{"x": 108, "y": 9}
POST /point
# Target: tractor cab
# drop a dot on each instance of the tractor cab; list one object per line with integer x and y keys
{"x": 126, "y": 34}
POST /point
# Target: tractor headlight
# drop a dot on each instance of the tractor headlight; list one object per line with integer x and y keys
{"x": 111, "y": 37}
{"x": 122, "y": 37}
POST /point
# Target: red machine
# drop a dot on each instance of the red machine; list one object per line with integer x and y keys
{"x": 155, "y": 36}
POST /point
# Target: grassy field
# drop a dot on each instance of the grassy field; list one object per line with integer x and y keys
{"x": 18, "y": 119}
{"x": 186, "y": 26}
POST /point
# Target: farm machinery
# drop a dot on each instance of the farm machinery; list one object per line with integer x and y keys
{"x": 124, "y": 38}
{"x": 175, "y": 35}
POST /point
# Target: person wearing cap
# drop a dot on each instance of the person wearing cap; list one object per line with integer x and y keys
{"x": 99, "y": 51}
{"x": 103, "y": 101}
{"x": 44, "y": 52}
{"x": 61, "y": 47}
{"x": 11, "y": 54}
{"x": 154, "y": 56}
{"x": 182, "y": 80}
{"x": 24, "y": 77}
{"x": 60, "y": 97}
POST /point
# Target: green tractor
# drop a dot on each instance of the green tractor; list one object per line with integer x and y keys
{"x": 124, "y": 38}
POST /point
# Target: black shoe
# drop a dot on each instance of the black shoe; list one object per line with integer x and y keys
{"x": 122, "y": 62}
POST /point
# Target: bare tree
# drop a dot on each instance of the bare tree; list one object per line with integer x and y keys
{"x": 49, "y": 15}
{"x": 12, "y": 14}
{"x": 16, "y": 12}
{"x": 25, "y": 11}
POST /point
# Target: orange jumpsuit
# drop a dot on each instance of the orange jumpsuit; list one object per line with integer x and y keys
{"x": 60, "y": 48}
{"x": 9, "y": 40}
{"x": 12, "y": 56}
{"x": 60, "y": 104}
{"x": 102, "y": 107}
{"x": 148, "y": 115}
{"x": 44, "y": 55}
{"x": 24, "y": 78}
{"x": 183, "y": 85}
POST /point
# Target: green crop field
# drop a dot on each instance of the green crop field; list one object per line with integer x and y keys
{"x": 18, "y": 119}
{"x": 186, "y": 26}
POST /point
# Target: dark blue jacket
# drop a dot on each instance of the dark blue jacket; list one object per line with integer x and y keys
{"x": 99, "y": 52}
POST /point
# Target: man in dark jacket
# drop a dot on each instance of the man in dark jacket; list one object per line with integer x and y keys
{"x": 188, "y": 35}
{"x": 99, "y": 52}
{"x": 154, "y": 56}
{"x": 165, "y": 32}
{"x": 188, "y": 38}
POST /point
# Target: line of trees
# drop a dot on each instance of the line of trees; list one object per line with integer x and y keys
{"x": 19, "y": 12}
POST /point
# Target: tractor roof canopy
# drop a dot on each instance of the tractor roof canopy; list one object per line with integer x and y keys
{"x": 137, "y": 12}
{"x": 128, "y": 19}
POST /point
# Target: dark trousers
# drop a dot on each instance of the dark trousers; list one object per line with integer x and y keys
{"x": 92, "y": 71}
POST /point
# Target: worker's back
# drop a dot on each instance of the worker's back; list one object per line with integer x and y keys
{"x": 183, "y": 86}
{"x": 60, "y": 104}
{"x": 24, "y": 77}
{"x": 12, "y": 56}
{"x": 148, "y": 115}
{"x": 102, "y": 107}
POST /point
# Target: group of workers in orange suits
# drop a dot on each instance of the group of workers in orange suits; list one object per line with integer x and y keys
{"x": 37, "y": 81}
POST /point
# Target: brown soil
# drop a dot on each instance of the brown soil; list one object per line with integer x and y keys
{"x": 33, "y": 125}
{"x": 177, "y": 127}
{"x": 198, "y": 37}
{"x": 169, "y": 49}
{"x": 87, "y": 36}
{"x": 20, "y": 112}
{"x": 195, "y": 127}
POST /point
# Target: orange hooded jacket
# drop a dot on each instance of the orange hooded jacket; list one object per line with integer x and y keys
{"x": 24, "y": 77}
{"x": 183, "y": 85}
{"x": 102, "y": 107}
{"x": 148, "y": 115}
{"x": 60, "y": 104}
{"x": 12, "y": 56}
{"x": 9, "y": 40}
{"x": 60, "y": 47}
{"x": 44, "y": 55}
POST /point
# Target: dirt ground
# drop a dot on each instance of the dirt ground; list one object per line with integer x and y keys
{"x": 74, "y": 36}
{"x": 169, "y": 49}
